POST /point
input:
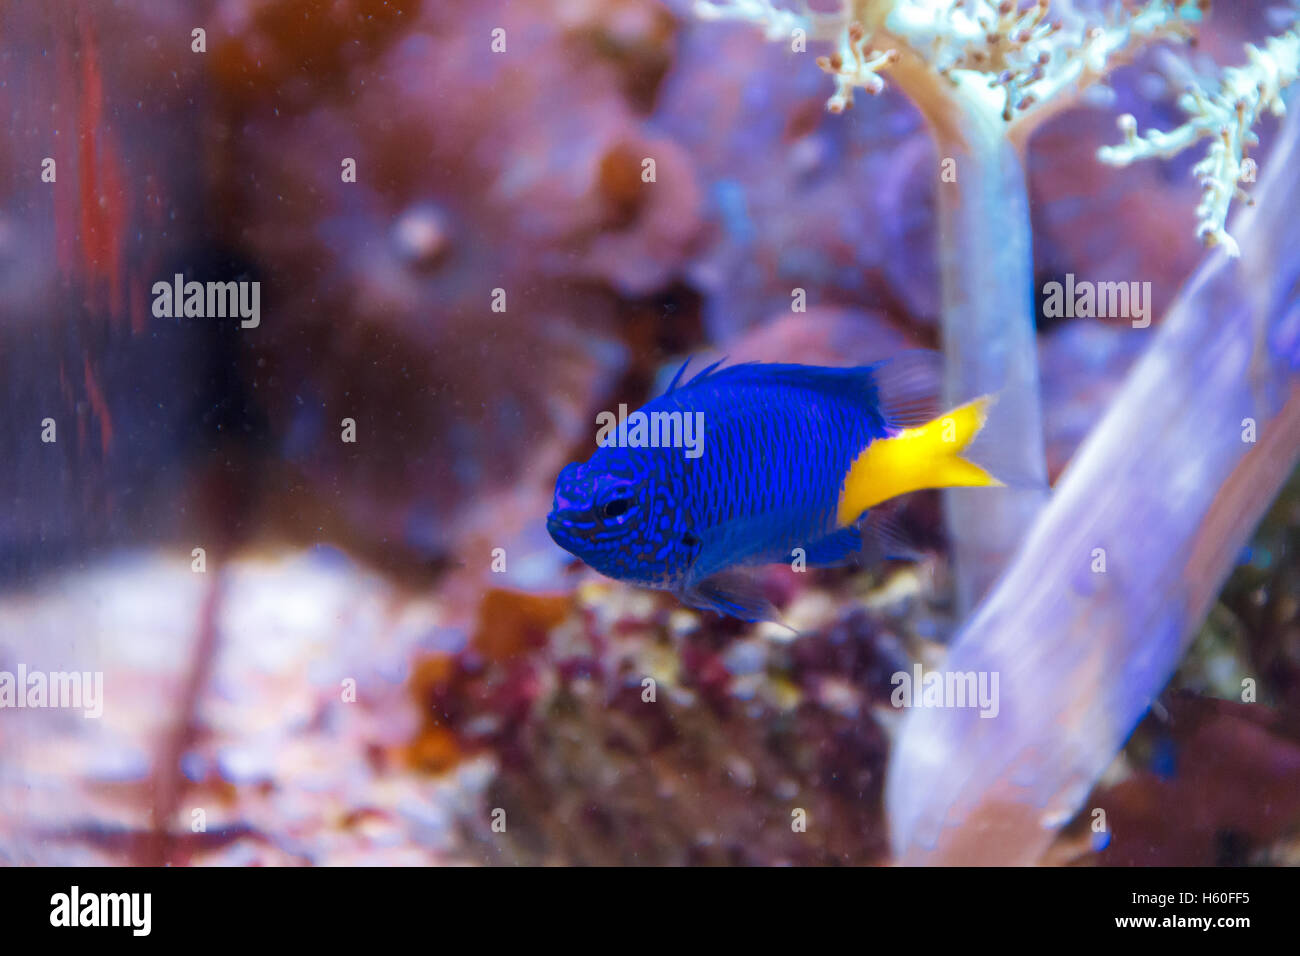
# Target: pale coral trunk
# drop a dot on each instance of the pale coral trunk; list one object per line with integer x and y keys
{"x": 1166, "y": 490}
{"x": 989, "y": 340}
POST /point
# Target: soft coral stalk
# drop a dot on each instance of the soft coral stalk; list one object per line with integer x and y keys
{"x": 983, "y": 74}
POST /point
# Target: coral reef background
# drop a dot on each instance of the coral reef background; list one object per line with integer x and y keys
{"x": 513, "y": 694}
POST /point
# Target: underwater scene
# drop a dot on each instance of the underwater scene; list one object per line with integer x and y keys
{"x": 650, "y": 433}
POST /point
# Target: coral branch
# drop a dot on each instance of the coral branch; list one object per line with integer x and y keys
{"x": 1022, "y": 54}
{"x": 1082, "y": 56}
{"x": 1227, "y": 117}
{"x": 857, "y": 66}
{"x": 776, "y": 23}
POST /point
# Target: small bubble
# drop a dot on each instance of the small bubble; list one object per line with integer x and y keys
{"x": 422, "y": 235}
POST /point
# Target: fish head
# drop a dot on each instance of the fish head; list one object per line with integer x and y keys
{"x": 606, "y": 513}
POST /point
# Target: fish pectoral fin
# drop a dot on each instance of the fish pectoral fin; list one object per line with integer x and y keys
{"x": 736, "y": 593}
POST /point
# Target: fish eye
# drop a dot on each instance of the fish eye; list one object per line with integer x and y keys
{"x": 615, "y": 507}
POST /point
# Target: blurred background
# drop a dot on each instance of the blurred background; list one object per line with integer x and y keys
{"x": 349, "y": 670}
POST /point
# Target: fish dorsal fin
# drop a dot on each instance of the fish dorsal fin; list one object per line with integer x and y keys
{"x": 697, "y": 378}
{"x": 678, "y": 377}
{"x": 706, "y": 372}
{"x": 903, "y": 391}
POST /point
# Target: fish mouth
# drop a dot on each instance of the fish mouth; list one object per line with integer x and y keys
{"x": 569, "y": 528}
{"x": 558, "y": 529}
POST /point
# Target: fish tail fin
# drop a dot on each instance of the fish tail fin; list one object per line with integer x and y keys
{"x": 926, "y": 456}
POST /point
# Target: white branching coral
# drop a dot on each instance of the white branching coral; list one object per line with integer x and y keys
{"x": 1226, "y": 117}
{"x": 1010, "y": 54}
{"x": 777, "y": 23}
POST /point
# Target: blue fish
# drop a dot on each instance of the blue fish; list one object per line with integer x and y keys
{"x": 790, "y": 457}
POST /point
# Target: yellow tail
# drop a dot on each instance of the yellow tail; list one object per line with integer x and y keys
{"x": 922, "y": 457}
